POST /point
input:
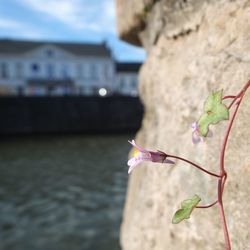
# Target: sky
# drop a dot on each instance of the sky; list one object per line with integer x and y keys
{"x": 65, "y": 20}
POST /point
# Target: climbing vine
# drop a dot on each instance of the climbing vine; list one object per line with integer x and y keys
{"x": 215, "y": 111}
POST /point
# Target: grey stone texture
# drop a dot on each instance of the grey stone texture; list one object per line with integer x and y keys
{"x": 131, "y": 18}
{"x": 194, "y": 47}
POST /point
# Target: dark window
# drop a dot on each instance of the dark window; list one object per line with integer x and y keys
{"x": 4, "y": 70}
{"x": 49, "y": 53}
{"x": 35, "y": 67}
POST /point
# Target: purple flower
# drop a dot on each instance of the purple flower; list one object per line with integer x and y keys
{"x": 196, "y": 137}
{"x": 141, "y": 155}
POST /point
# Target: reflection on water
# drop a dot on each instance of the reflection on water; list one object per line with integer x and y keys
{"x": 62, "y": 193}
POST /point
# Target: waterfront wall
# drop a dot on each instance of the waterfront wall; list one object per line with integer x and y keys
{"x": 76, "y": 114}
{"x": 193, "y": 47}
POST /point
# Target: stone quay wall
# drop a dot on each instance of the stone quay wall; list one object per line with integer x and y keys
{"x": 69, "y": 114}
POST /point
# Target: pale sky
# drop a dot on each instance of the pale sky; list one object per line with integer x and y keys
{"x": 65, "y": 20}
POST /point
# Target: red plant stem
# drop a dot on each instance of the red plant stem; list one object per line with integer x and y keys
{"x": 223, "y": 217}
{"x": 195, "y": 165}
{"x": 242, "y": 92}
{"x": 234, "y": 100}
{"x": 229, "y": 97}
{"x": 207, "y": 206}
{"x": 222, "y": 181}
{"x": 223, "y": 148}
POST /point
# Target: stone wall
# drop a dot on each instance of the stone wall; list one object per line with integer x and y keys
{"x": 193, "y": 47}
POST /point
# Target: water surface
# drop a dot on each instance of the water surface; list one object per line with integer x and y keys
{"x": 62, "y": 192}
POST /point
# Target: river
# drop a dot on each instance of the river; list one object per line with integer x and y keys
{"x": 62, "y": 192}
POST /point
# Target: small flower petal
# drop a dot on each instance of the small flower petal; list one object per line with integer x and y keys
{"x": 196, "y": 138}
{"x": 140, "y": 157}
{"x": 132, "y": 163}
{"x": 137, "y": 147}
{"x": 194, "y": 126}
{"x": 145, "y": 155}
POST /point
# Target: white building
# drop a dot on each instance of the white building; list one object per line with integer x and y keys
{"x": 55, "y": 68}
{"x": 127, "y": 78}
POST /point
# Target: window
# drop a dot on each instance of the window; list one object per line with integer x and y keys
{"x": 65, "y": 71}
{"x": 4, "y": 70}
{"x": 133, "y": 82}
{"x": 106, "y": 71}
{"x": 50, "y": 71}
{"x": 93, "y": 71}
{"x": 79, "y": 70}
{"x": 19, "y": 70}
{"x": 49, "y": 53}
{"x": 97, "y": 71}
{"x": 122, "y": 83}
{"x": 34, "y": 67}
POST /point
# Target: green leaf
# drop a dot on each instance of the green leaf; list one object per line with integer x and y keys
{"x": 214, "y": 112}
{"x": 187, "y": 206}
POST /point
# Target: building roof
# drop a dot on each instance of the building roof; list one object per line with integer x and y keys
{"x": 128, "y": 67}
{"x": 8, "y": 46}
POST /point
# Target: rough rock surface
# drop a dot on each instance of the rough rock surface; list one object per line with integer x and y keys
{"x": 131, "y": 18}
{"x": 193, "y": 47}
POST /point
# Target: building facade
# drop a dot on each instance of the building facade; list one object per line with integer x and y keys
{"x": 53, "y": 68}
{"x": 127, "y": 78}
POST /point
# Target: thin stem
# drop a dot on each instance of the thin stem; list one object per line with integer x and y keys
{"x": 223, "y": 149}
{"x": 232, "y": 103}
{"x": 228, "y": 97}
{"x": 223, "y": 217}
{"x": 193, "y": 164}
{"x": 223, "y": 173}
{"x": 242, "y": 92}
{"x": 207, "y": 206}
{"x": 221, "y": 182}
{"x": 224, "y": 181}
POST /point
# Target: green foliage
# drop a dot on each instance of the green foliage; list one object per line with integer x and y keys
{"x": 187, "y": 207}
{"x": 214, "y": 112}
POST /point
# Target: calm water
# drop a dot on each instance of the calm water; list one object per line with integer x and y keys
{"x": 62, "y": 192}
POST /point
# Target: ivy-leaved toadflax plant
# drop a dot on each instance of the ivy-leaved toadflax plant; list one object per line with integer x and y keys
{"x": 215, "y": 111}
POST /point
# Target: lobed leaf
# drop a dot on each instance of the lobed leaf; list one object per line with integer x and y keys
{"x": 187, "y": 206}
{"x": 214, "y": 112}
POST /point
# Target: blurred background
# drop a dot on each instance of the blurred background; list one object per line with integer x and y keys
{"x": 68, "y": 104}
